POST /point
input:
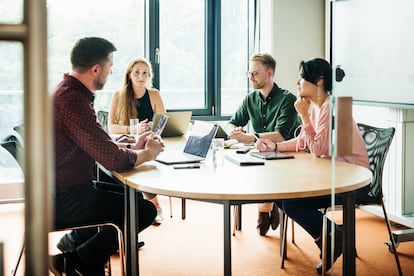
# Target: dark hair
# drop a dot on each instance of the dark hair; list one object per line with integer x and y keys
{"x": 315, "y": 69}
{"x": 89, "y": 51}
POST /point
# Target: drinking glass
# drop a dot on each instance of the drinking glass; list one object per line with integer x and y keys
{"x": 217, "y": 146}
{"x": 134, "y": 128}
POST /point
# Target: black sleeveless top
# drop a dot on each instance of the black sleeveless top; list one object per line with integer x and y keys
{"x": 144, "y": 108}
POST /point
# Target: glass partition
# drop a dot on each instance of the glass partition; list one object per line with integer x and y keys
{"x": 12, "y": 110}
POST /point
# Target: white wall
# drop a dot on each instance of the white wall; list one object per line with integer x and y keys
{"x": 298, "y": 33}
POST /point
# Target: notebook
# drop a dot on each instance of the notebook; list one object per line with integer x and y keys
{"x": 270, "y": 155}
{"x": 243, "y": 159}
{"x": 196, "y": 146}
{"x": 177, "y": 124}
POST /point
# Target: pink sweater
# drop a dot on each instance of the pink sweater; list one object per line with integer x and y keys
{"x": 315, "y": 137}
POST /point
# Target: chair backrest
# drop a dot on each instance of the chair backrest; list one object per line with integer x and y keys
{"x": 103, "y": 119}
{"x": 377, "y": 141}
{"x": 13, "y": 145}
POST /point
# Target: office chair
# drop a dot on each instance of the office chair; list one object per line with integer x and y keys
{"x": 12, "y": 144}
{"x": 103, "y": 119}
{"x": 377, "y": 141}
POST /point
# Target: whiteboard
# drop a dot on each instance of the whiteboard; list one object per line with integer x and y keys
{"x": 373, "y": 41}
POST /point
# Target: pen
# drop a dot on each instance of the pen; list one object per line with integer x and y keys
{"x": 192, "y": 166}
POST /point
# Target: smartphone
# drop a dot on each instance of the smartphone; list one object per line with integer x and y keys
{"x": 243, "y": 150}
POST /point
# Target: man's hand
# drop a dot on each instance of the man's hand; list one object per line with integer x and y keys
{"x": 142, "y": 140}
{"x": 240, "y": 135}
{"x": 265, "y": 145}
{"x": 125, "y": 138}
{"x": 154, "y": 145}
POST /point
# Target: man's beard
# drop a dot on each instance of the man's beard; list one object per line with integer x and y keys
{"x": 257, "y": 85}
{"x": 99, "y": 84}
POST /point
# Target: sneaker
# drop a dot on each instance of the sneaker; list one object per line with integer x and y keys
{"x": 159, "y": 218}
{"x": 66, "y": 244}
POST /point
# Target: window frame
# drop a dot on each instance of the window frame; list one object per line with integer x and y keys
{"x": 212, "y": 57}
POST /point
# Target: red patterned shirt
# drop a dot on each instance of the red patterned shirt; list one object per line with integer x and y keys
{"x": 80, "y": 139}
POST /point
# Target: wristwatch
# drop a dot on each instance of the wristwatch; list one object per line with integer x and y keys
{"x": 257, "y": 136}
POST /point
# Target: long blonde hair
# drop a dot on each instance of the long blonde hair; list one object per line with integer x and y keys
{"x": 126, "y": 99}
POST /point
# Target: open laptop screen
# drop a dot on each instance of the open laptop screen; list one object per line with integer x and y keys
{"x": 200, "y": 138}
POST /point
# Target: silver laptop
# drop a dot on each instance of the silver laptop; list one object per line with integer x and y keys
{"x": 177, "y": 124}
{"x": 196, "y": 146}
{"x": 222, "y": 133}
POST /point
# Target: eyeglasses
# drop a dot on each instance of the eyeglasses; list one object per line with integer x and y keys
{"x": 253, "y": 73}
{"x": 137, "y": 73}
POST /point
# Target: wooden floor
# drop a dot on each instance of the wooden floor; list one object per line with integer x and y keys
{"x": 195, "y": 245}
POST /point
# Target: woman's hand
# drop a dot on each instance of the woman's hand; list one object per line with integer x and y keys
{"x": 145, "y": 126}
{"x": 302, "y": 105}
{"x": 265, "y": 145}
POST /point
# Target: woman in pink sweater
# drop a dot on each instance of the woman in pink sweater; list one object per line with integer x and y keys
{"x": 314, "y": 106}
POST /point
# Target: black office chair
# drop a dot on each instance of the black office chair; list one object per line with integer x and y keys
{"x": 13, "y": 145}
{"x": 103, "y": 119}
{"x": 377, "y": 141}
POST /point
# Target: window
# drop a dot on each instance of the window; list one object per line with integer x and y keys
{"x": 202, "y": 47}
{"x": 121, "y": 22}
{"x": 200, "y": 54}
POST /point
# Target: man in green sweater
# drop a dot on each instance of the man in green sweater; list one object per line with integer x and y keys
{"x": 270, "y": 111}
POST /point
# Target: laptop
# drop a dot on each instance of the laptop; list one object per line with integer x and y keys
{"x": 177, "y": 124}
{"x": 243, "y": 159}
{"x": 270, "y": 155}
{"x": 221, "y": 133}
{"x": 196, "y": 146}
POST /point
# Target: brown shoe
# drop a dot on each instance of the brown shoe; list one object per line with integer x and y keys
{"x": 274, "y": 217}
{"x": 263, "y": 223}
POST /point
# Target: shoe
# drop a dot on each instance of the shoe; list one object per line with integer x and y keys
{"x": 337, "y": 249}
{"x": 66, "y": 244}
{"x": 69, "y": 264}
{"x": 263, "y": 223}
{"x": 159, "y": 218}
{"x": 274, "y": 217}
{"x": 58, "y": 262}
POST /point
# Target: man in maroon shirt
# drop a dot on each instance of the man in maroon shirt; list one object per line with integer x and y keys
{"x": 80, "y": 141}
